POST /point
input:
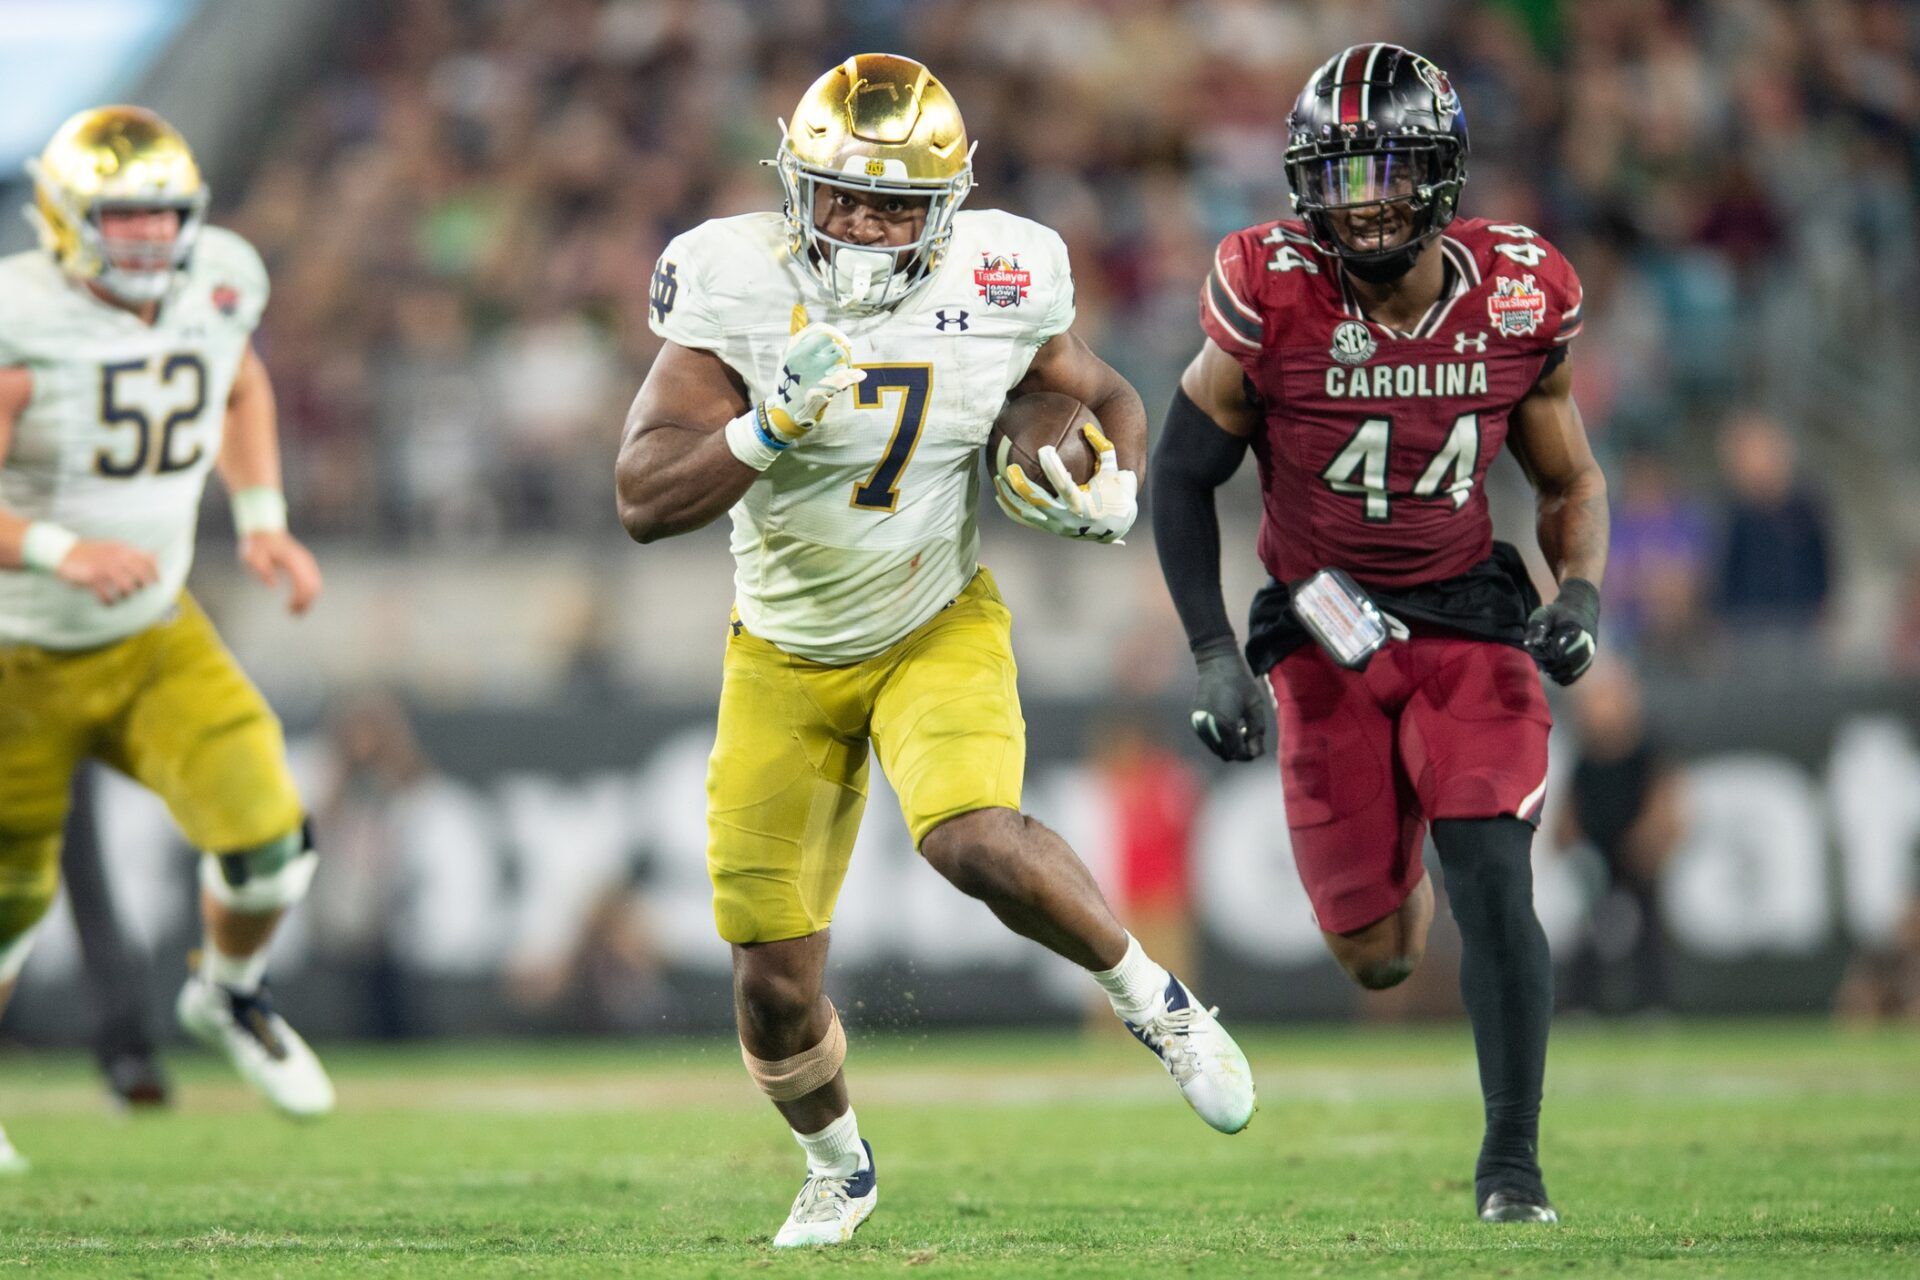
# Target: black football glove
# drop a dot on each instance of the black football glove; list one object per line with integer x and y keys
{"x": 1230, "y": 709}
{"x": 1561, "y": 636}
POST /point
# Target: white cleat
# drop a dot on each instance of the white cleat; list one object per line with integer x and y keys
{"x": 12, "y": 1163}
{"x": 829, "y": 1208}
{"x": 268, "y": 1054}
{"x": 1202, "y": 1058}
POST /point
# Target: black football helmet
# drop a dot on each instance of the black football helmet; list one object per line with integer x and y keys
{"x": 1378, "y": 128}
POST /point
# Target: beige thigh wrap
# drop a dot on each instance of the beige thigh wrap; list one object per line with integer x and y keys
{"x": 800, "y": 1075}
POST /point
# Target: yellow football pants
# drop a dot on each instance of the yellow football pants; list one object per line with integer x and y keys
{"x": 170, "y": 708}
{"x": 788, "y": 779}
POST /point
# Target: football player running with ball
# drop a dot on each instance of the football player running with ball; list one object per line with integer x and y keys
{"x": 1376, "y": 354}
{"x": 829, "y": 377}
{"x": 127, "y": 374}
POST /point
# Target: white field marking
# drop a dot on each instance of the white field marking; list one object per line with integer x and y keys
{"x": 1105, "y": 1083}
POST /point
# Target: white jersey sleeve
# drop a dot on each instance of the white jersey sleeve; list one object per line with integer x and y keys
{"x": 1059, "y": 313}
{"x": 236, "y": 278}
{"x": 707, "y": 282}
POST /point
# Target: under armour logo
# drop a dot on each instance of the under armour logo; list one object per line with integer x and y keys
{"x": 666, "y": 289}
{"x": 1462, "y": 343}
{"x": 789, "y": 381}
{"x": 958, "y": 320}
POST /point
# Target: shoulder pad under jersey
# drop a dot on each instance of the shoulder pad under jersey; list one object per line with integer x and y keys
{"x": 1533, "y": 292}
{"x": 1020, "y": 268}
{"x": 717, "y": 277}
{"x": 1262, "y": 279}
{"x": 230, "y": 272}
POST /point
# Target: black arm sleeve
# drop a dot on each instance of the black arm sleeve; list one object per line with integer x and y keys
{"x": 1193, "y": 458}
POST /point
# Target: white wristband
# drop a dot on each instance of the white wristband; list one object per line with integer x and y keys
{"x": 46, "y": 545}
{"x": 261, "y": 509}
{"x": 751, "y": 442}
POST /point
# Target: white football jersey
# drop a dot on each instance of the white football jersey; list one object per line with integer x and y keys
{"x": 867, "y": 528}
{"x": 123, "y": 427}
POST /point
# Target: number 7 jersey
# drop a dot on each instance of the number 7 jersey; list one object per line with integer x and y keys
{"x": 867, "y": 528}
{"x": 124, "y": 424}
{"x": 1375, "y": 442}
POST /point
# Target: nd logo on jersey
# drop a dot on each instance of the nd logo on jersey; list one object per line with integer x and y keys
{"x": 666, "y": 289}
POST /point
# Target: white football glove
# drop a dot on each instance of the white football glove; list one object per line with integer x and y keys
{"x": 1102, "y": 510}
{"x": 816, "y": 366}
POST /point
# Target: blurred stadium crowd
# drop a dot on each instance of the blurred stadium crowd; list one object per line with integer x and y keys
{"x": 462, "y": 205}
{"x": 462, "y": 211}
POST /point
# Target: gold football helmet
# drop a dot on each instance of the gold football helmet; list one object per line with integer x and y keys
{"x": 876, "y": 122}
{"x": 116, "y": 158}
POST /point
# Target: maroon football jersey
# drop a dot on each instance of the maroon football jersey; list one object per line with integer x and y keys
{"x": 1376, "y": 442}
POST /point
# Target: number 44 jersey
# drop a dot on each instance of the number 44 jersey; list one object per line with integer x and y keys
{"x": 124, "y": 425}
{"x": 1375, "y": 442}
{"x": 867, "y": 528}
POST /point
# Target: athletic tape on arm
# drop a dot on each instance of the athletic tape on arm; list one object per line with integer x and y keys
{"x": 800, "y": 1075}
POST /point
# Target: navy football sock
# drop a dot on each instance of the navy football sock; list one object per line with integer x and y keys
{"x": 1506, "y": 980}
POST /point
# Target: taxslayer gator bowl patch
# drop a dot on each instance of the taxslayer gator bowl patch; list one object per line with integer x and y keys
{"x": 1517, "y": 307}
{"x": 1002, "y": 280}
{"x": 226, "y": 299}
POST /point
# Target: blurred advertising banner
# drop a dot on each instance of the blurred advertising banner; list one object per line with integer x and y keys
{"x": 500, "y": 871}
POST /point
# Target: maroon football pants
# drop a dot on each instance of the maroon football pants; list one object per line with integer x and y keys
{"x": 1438, "y": 726}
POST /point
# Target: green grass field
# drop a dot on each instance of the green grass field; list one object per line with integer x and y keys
{"x": 1737, "y": 1149}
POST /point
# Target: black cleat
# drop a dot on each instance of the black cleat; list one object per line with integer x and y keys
{"x": 136, "y": 1080}
{"x": 1516, "y": 1206}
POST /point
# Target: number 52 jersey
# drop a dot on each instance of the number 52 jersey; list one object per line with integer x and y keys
{"x": 1375, "y": 442}
{"x": 124, "y": 424}
{"x": 868, "y": 528}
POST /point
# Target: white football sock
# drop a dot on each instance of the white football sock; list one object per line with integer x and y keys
{"x": 1134, "y": 985}
{"x": 236, "y": 973}
{"x": 835, "y": 1149}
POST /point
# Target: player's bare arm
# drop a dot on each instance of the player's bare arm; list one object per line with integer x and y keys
{"x": 249, "y": 465}
{"x": 675, "y": 473}
{"x": 1218, "y": 388}
{"x": 1069, "y": 366}
{"x": 1550, "y": 441}
{"x": 111, "y": 570}
{"x": 1203, "y": 444}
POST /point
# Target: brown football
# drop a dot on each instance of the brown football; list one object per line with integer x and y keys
{"x": 1030, "y": 423}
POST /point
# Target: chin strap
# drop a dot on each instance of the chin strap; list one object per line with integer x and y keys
{"x": 1387, "y": 268}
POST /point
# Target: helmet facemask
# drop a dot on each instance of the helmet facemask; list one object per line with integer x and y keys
{"x": 866, "y": 277}
{"x": 1377, "y": 202}
{"x": 133, "y": 270}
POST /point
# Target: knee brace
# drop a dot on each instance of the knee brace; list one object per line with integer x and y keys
{"x": 796, "y": 1077}
{"x": 264, "y": 878}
